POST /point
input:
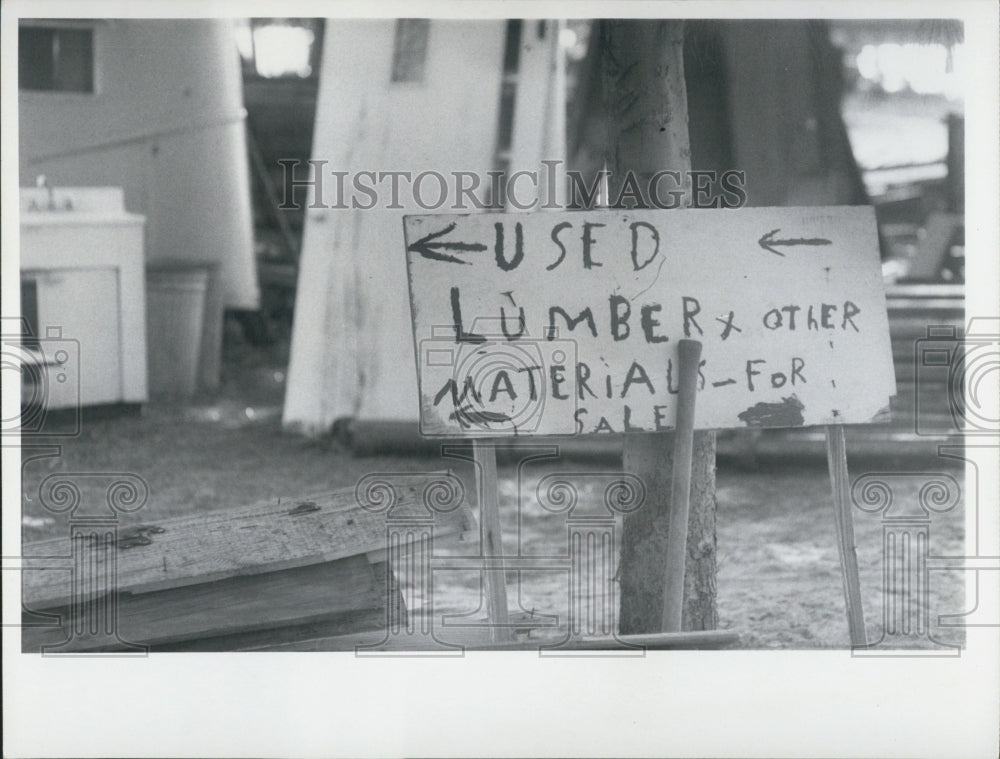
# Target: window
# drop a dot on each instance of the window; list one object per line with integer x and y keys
{"x": 280, "y": 48}
{"x": 410, "y": 49}
{"x": 56, "y": 59}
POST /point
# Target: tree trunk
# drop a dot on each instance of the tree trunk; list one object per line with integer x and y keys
{"x": 646, "y": 110}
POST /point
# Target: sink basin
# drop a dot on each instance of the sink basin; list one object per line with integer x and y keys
{"x": 74, "y": 205}
{"x": 83, "y": 260}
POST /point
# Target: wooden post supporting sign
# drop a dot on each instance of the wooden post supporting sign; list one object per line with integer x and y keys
{"x": 485, "y": 457}
{"x": 836, "y": 456}
{"x": 688, "y": 356}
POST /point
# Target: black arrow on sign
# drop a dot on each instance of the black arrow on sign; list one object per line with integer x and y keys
{"x": 431, "y": 250}
{"x": 768, "y": 240}
{"x": 467, "y": 417}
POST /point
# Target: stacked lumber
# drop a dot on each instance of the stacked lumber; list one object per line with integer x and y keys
{"x": 228, "y": 579}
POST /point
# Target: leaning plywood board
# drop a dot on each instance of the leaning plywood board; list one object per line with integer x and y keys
{"x": 229, "y": 543}
{"x": 567, "y": 323}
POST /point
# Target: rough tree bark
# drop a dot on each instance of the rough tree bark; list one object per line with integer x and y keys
{"x": 646, "y": 111}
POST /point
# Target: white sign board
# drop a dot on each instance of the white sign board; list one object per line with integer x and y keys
{"x": 567, "y": 323}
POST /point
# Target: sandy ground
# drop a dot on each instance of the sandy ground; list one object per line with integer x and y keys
{"x": 779, "y": 582}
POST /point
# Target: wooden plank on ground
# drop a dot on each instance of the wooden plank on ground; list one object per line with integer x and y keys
{"x": 348, "y": 595}
{"x": 229, "y": 543}
{"x": 479, "y": 640}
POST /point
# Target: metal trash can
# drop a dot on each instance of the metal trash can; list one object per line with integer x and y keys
{"x": 175, "y": 323}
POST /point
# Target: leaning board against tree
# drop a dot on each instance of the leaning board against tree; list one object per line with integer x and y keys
{"x": 567, "y": 323}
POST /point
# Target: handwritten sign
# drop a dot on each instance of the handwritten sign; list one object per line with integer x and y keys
{"x": 567, "y": 323}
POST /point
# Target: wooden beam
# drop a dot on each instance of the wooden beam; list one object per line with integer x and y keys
{"x": 646, "y": 111}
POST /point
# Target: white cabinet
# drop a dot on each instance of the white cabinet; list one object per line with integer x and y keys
{"x": 82, "y": 260}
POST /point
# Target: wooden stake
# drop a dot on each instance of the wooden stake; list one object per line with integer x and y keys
{"x": 485, "y": 457}
{"x": 688, "y": 356}
{"x": 836, "y": 456}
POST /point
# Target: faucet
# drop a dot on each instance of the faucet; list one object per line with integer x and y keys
{"x": 42, "y": 181}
